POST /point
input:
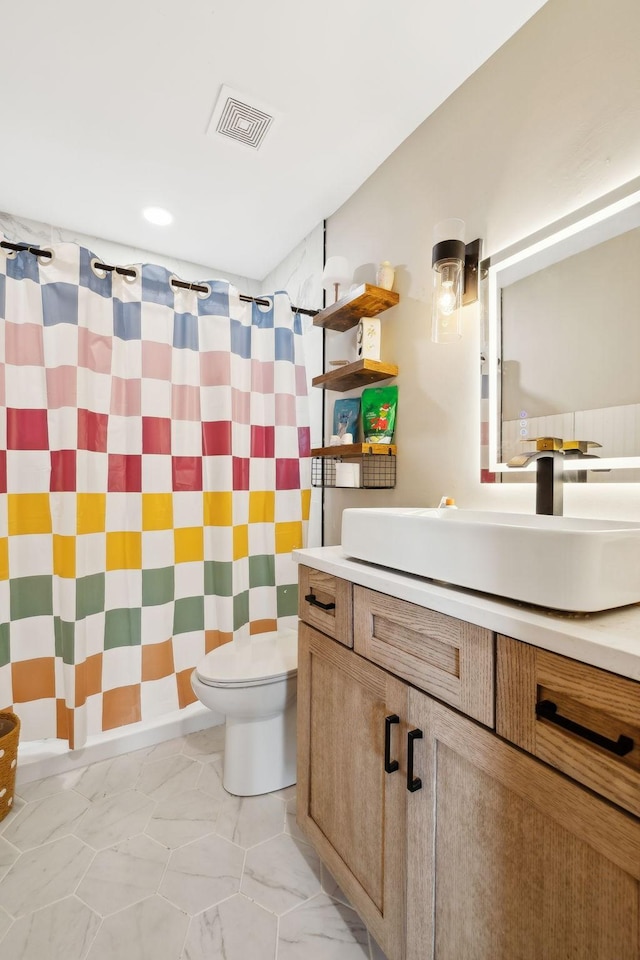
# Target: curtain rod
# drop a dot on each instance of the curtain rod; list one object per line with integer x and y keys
{"x": 128, "y": 272}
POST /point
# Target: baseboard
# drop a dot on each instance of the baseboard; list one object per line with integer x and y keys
{"x": 46, "y": 758}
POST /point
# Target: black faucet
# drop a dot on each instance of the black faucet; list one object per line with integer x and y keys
{"x": 549, "y": 454}
{"x": 549, "y": 474}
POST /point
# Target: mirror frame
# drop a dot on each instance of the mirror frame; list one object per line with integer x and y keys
{"x": 615, "y": 213}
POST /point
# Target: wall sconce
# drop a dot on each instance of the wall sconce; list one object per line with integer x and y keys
{"x": 336, "y": 272}
{"x": 455, "y": 279}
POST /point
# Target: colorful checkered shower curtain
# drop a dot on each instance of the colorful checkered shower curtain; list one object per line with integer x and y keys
{"x": 154, "y": 478}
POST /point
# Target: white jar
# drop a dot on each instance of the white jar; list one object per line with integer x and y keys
{"x": 385, "y": 275}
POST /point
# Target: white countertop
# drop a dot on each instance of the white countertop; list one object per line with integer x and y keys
{"x": 610, "y": 640}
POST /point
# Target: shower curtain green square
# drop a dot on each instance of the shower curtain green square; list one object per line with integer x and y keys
{"x": 4, "y": 644}
{"x": 30, "y": 597}
{"x": 122, "y": 628}
{"x": 188, "y": 615}
{"x": 218, "y": 578}
{"x": 64, "y": 639}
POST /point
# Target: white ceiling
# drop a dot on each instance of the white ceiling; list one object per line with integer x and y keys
{"x": 105, "y": 108}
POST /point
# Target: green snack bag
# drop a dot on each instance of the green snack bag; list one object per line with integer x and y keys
{"x": 379, "y": 413}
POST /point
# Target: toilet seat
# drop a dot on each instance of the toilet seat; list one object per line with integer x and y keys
{"x": 265, "y": 658}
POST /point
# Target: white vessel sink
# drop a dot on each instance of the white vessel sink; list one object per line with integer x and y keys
{"x": 566, "y": 563}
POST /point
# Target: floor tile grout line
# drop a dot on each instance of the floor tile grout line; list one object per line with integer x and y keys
{"x": 216, "y": 802}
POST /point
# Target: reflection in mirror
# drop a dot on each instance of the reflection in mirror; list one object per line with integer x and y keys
{"x": 561, "y": 352}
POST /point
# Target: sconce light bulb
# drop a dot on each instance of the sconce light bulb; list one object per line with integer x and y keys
{"x": 447, "y": 299}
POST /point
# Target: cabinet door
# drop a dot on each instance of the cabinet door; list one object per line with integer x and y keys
{"x": 352, "y": 810}
{"x": 508, "y": 859}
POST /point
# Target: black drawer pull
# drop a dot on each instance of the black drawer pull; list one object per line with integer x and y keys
{"x": 413, "y": 783}
{"x": 312, "y": 599}
{"x": 389, "y": 765}
{"x": 549, "y": 711}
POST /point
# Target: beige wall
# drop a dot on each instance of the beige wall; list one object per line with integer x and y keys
{"x": 549, "y": 123}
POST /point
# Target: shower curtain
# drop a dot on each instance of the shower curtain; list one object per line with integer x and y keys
{"x": 154, "y": 479}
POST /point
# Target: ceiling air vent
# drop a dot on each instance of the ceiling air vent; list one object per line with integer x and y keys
{"x": 239, "y": 120}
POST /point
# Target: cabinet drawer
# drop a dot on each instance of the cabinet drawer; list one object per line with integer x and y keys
{"x": 582, "y": 720}
{"x": 450, "y": 659}
{"x": 324, "y": 602}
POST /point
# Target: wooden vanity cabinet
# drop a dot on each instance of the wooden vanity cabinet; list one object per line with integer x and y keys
{"x": 349, "y": 807}
{"x": 494, "y": 854}
{"x": 510, "y": 860}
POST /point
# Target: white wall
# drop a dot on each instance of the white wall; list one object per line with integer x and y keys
{"x": 549, "y": 123}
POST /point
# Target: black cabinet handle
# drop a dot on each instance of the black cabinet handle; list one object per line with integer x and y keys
{"x": 311, "y": 598}
{"x": 389, "y": 765}
{"x": 413, "y": 783}
{"x": 549, "y": 711}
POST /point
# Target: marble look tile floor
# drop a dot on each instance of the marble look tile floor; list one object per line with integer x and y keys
{"x": 146, "y": 857}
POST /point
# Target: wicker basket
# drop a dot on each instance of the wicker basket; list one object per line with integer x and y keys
{"x": 9, "y": 736}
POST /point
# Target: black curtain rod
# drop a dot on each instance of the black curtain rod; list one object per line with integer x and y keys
{"x": 128, "y": 272}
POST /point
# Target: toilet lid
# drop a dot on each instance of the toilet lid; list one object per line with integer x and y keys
{"x": 261, "y": 659}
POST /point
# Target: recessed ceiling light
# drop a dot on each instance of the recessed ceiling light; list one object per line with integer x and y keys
{"x": 157, "y": 215}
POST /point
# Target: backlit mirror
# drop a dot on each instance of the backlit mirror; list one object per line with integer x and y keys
{"x": 561, "y": 344}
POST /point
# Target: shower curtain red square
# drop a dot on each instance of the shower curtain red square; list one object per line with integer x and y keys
{"x": 287, "y": 474}
{"x": 156, "y": 435}
{"x": 92, "y": 431}
{"x": 262, "y": 441}
{"x": 3, "y": 471}
{"x": 125, "y": 473}
{"x": 216, "y": 438}
{"x": 304, "y": 442}
{"x": 27, "y": 429}
{"x": 63, "y": 471}
{"x": 186, "y": 473}
{"x": 240, "y": 473}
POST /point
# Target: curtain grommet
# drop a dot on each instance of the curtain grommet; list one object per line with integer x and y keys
{"x": 265, "y": 308}
{"x": 45, "y": 255}
{"x": 98, "y": 271}
{"x": 127, "y": 278}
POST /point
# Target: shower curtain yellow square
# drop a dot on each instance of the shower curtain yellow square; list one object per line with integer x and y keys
{"x": 91, "y": 511}
{"x": 262, "y": 506}
{"x": 157, "y": 511}
{"x": 288, "y": 536}
{"x": 124, "y": 550}
{"x": 28, "y": 513}
{"x": 4, "y": 558}
{"x": 189, "y": 544}
{"x": 305, "y": 500}
{"x": 64, "y": 556}
{"x": 240, "y": 541}
{"x": 218, "y": 508}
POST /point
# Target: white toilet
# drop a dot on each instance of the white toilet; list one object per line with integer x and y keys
{"x": 253, "y": 683}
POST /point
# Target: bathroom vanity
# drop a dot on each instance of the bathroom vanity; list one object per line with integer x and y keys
{"x": 469, "y": 767}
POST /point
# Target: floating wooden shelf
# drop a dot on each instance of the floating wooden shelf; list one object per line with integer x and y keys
{"x": 354, "y": 375}
{"x": 345, "y": 450}
{"x": 365, "y": 301}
